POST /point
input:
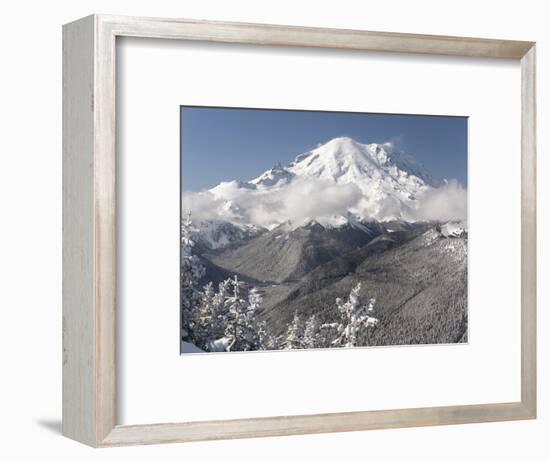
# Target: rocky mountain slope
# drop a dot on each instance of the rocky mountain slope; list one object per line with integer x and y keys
{"x": 287, "y": 254}
{"x": 419, "y": 278}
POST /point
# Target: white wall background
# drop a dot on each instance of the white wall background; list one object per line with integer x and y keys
{"x": 30, "y": 229}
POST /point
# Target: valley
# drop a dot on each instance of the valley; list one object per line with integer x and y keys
{"x": 417, "y": 274}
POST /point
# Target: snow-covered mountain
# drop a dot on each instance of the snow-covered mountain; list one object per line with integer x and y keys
{"x": 345, "y": 160}
{"x": 331, "y": 184}
{"x": 214, "y": 234}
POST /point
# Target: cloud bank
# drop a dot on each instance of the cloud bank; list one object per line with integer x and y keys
{"x": 445, "y": 203}
{"x": 305, "y": 199}
{"x": 302, "y": 200}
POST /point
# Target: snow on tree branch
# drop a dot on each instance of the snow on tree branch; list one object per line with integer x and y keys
{"x": 355, "y": 321}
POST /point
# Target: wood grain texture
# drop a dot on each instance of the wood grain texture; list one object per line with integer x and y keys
{"x": 105, "y": 228}
{"x": 529, "y": 232}
{"x": 89, "y": 257}
{"x": 269, "y": 34}
{"x": 79, "y": 381}
{"x": 313, "y": 424}
{"x": 89, "y": 230}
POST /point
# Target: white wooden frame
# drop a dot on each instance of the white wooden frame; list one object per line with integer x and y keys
{"x": 89, "y": 230}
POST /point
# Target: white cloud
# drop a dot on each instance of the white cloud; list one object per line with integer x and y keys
{"x": 445, "y": 203}
{"x": 306, "y": 199}
{"x": 303, "y": 199}
{"x": 202, "y": 205}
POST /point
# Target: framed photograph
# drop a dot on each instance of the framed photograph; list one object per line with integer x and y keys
{"x": 273, "y": 230}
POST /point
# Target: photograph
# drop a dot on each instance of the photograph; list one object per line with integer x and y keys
{"x": 318, "y": 229}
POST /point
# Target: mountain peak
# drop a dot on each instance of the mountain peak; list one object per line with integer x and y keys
{"x": 341, "y": 140}
{"x": 374, "y": 181}
{"x": 345, "y": 159}
{"x": 277, "y": 175}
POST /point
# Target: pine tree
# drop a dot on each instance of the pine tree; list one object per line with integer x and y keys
{"x": 261, "y": 336}
{"x": 227, "y": 320}
{"x": 355, "y": 317}
{"x": 355, "y": 321}
{"x": 219, "y": 314}
{"x": 204, "y": 320}
{"x": 243, "y": 328}
{"x": 311, "y": 333}
{"x": 295, "y": 333}
{"x": 234, "y": 306}
{"x": 191, "y": 272}
{"x": 211, "y": 319}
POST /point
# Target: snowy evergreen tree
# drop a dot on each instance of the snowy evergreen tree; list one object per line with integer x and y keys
{"x": 295, "y": 333}
{"x": 355, "y": 320}
{"x": 205, "y": 316}
{"x": 191, "y": 272}
{"x": 219, "y": 314}
{"x": 312, "y": 337}
{"x": 243, "y": 330}
{"x": 227, "y": 319}
{"x": 211, "y": 319}
{"x": 264, "y": 339}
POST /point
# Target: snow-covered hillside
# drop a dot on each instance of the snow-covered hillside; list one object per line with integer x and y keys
{"x": 338, "y": 181}
{"x": 454, "y": 229}
{"x": 214, "y": 234}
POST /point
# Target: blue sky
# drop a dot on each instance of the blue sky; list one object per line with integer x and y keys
{"x": 221, "y": 144}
